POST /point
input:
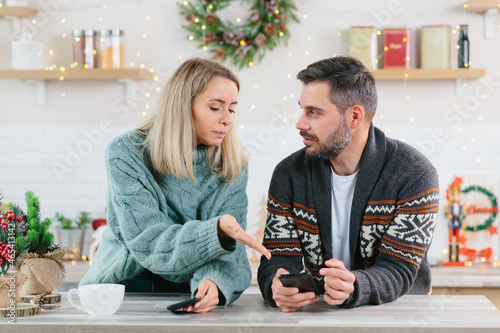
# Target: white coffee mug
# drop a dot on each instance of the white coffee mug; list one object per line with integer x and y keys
{"x": 98, "y": 299}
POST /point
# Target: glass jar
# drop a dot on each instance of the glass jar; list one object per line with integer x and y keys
{"x": 26, "y": 53}
{"x": 84, "y": 48}
{"x": 111, "y": 48}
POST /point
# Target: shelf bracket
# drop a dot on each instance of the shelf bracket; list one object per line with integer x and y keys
{"x": 41, "y": 99}
{"x": 16, "y": 24}
{"x": 459, "y": 87}
{"x": 129, "y": 90}
{"x": 489, "y": 23}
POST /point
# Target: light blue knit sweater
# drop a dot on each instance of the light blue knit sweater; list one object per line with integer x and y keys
{"x": 168, "y": 224}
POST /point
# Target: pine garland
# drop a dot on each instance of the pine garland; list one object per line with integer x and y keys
{"x": 263, "y": 30}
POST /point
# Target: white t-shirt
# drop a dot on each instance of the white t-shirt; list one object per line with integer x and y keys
{"x": 342, "y": 194}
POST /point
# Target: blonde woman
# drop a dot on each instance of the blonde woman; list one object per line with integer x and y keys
{"x": 177, "y": 203}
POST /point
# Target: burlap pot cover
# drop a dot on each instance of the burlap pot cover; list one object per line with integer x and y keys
{"x": 44, "y": 273}
{"x": 10, "y": 285}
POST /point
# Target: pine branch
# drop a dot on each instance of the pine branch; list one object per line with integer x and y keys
{"x": 16, "y": 209}
{"x": 47, "y": 240}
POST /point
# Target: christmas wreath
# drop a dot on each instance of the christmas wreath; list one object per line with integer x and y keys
{"x": 493, "y": 210}
{"x": 263, "y": 29}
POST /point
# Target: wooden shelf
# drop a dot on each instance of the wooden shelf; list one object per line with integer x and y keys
{"x": 127, "y": 76}
{"x": 17, "y": 11}
{"x": 77, "y": 74}
{"x": 459, "y": 75}
{"x": 482, "y": 6}
{"x": 428, "y": 74}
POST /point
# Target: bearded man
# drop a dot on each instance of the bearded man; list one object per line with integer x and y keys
{"x": 354, "y": 208}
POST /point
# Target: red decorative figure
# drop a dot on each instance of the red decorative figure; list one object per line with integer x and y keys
{"x": 456, "y": 214}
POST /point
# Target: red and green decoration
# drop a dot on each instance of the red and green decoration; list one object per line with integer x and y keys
{"x": 473, "y": 209}
{"x": 263, "y": 30}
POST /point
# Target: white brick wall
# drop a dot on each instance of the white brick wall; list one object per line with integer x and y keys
{"x": 33, "y": 138}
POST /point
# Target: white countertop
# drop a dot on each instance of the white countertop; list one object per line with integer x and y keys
{"x": 249, "y": 314}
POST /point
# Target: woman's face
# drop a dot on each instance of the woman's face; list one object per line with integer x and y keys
{"x": 213, "y": 111}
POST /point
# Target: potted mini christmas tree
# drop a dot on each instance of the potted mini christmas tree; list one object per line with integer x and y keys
{"x": 41, "y": 262}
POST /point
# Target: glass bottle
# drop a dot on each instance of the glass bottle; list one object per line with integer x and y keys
{"x": 463, "y": 47}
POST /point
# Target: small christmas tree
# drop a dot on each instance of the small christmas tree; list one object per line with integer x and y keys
{"x": 39, "y": 239}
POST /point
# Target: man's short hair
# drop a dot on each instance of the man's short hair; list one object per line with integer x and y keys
{"x": 350, "y": 82}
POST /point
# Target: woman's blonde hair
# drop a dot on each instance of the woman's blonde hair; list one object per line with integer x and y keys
{"x": 170, "y": 136}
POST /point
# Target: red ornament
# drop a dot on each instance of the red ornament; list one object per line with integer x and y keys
{"x": 98, "y": 222}
{"x": 206, "y": 41}
{"x": 278, "y": 17}
{"x": 493, "y": 230}
{"x": 461, "y": 239}
{"x": 457, "y": 182}
{"x": 283, "y": 27}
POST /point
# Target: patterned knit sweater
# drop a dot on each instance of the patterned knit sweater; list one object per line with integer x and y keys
{"x": 168, "y": 225}
{"x": 394, "y": 211}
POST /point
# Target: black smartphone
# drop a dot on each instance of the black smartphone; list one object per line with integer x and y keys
{"x": 183, "y": 304}
{"x": 303, "y": 281}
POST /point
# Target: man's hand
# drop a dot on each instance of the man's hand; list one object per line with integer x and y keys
{"x": 339, "y": 282}
{"x": 289, "y": 299}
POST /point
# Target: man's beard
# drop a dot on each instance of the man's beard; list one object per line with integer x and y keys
{"x": 334, "y": 144}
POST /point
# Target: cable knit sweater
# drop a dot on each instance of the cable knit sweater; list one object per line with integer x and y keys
{"x": 168, "y": 225}
{"x": 393, "y": 214}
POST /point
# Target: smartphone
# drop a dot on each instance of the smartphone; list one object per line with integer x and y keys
{"x": 303, "y": 281}
{"x": 183, "y": 304}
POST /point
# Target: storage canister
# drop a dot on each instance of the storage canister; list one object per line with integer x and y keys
{"x": 435, "y": 47}
{"x": 363, "y": 45}
{"x": 397, "y": 47}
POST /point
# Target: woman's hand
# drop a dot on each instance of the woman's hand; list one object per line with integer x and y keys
{"x": 228, "y": 226}
{"x": 208, "y": 293}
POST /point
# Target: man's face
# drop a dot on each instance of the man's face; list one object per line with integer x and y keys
{"x": 323, "y": 128}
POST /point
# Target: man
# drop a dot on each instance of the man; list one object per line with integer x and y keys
{"x": 354, "y": 207}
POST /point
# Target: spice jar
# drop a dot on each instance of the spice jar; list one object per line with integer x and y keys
{"x": 84, "y": 48}
{"x": 111, "y": 49}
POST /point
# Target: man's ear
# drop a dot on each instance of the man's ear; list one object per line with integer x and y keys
{"x": 356, "y": 115}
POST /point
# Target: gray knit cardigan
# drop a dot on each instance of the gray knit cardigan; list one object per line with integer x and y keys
{"x": 394, "y": 211}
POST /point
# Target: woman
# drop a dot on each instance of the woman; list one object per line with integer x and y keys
{"x": 177, "y": 203}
